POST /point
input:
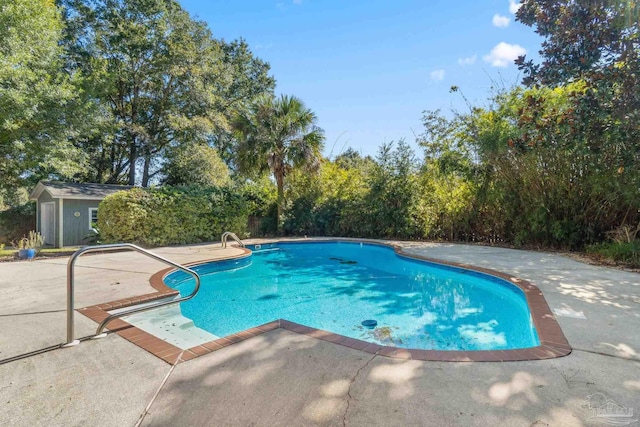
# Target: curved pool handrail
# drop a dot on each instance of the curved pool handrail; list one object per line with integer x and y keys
{"x": 228, "y": 234}
{"x": 129, "y": 246}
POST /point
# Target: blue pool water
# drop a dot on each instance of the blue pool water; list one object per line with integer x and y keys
{"x": 335, "y": 286}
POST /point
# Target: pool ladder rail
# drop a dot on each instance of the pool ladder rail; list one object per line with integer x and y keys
{"x": 228, "y": 234}
{"x": 136, "y": 308}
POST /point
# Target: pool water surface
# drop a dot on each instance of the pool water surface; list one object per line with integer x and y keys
{"x": 335, "y": 286}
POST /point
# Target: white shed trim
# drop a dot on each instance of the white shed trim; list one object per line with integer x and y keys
{"x": 61, "y": 223}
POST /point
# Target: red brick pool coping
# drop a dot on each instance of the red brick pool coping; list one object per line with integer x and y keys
{"x": 553, "y": 343}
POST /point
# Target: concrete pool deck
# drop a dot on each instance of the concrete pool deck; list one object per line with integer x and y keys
{"x": 284, "y": 378}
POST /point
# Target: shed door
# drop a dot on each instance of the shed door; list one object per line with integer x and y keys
{"x": 48, "y": 223}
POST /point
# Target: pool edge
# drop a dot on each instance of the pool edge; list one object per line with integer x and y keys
{"x": 553, "y": 343}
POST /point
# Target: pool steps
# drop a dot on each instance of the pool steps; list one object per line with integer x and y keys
{"x": 168, "y": 324}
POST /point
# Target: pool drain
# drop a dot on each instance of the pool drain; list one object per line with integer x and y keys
{"x": 370, "y": 324}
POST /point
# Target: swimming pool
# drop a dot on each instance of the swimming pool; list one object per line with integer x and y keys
{"x": 335, "y": 286}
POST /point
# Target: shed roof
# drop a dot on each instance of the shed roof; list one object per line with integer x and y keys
{"x": 72, "y": 190}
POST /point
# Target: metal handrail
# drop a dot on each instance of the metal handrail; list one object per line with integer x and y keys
{"x": 71, "y": 286}
{"x": 227, "y": 234}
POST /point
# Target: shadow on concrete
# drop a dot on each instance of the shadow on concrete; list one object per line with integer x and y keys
{"x": 281, "y": 378}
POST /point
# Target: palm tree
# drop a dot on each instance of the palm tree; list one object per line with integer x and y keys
{"x": 278, "y": 134}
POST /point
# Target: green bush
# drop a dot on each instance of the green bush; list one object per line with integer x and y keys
{"x": 327, "y": 204}
{"x": 171, "y": 215}
{"x": 194, "y": 164}
{"x": 261, "y": 198}
{"x": 444, "y": 205}
{"x": 627, "y": 253}
{"x": 17, "y": 221}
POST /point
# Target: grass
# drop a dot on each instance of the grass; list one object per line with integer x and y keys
{"x": 10, "y": 252}
{"x": 625, "y": 253}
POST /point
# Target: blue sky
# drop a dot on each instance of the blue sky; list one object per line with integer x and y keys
{"x": 368, "y": 69}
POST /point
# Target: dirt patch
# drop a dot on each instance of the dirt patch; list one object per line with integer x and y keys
{"x": 599, "y": 261}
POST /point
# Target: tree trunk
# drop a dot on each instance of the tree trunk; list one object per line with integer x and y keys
{"x": 279, "y": 175}
{"x": 102, "y": 164}
{"x": 145, "y": 171}
{"x": 133, "y": 153}
{"x": 113, "y": 160}
{"x": 133, "y": 156}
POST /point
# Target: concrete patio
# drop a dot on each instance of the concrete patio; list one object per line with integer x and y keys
{"x": 281, "y": 378}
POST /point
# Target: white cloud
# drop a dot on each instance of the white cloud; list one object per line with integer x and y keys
{"x": 437, "y": 75}
{"x": 504, "y": 54}
{"x": 260, "y": 46}
{"x": 514, "y": 6}
{"x": 500, "y": 21}
{"x": 469, "y": 60}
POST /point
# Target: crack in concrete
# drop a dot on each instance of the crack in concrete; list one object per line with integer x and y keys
{"x": 33, "y": 312}
{"x": 116, "y": 269}
{"x": 349, "y": 397}
{"x": 145, "y": 412}
{"x": 615, "y": 356}
{"x": 93, "y": 267}
{"x": 568, "y": 377}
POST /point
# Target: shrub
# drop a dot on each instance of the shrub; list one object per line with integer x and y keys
{"x": 17, "y": 221}
{"x": 261, "y": 198}
{"x": 627, "y": 253}
{"x": 444, "y": 205}
{"x": 171, "y": 215}
{"x": 329, "y": 204}
{"x": 195, "y": 164}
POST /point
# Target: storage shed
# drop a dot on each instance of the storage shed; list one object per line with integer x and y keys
{"x": 65, "y": 212}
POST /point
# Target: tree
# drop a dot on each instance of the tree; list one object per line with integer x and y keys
{"x": 329, "y": 203}
{"x": 196, "y": 165}
{"x": 582, "y": 39}
{"x": 391, "y": 201}
{"x": 278, "y": 135}
{"x": 159, "y": 79}
{"x": 595, "y": 44}
{"x": 246, "y": 78}
{"x": 591, "y": 60}
{"x": 35, "y": 95}
{"x": 352, "y": 159}
{"x": 447, "y": 142}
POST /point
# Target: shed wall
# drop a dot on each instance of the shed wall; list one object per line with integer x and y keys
{"x": 76, "y": 228}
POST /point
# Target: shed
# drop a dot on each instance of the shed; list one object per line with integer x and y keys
{"x": 65, "y": 212}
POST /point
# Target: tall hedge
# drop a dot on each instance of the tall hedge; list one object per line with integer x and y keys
{"x": 171, "y": 215}
{"x": 16, "y": 222}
